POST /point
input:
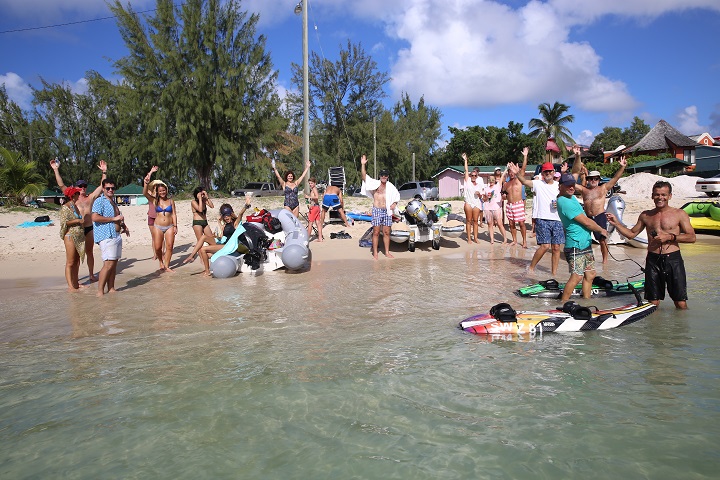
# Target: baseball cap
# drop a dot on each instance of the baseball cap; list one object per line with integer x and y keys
{"x": 557, "y": 175}
{"x": 594, "y": 173}
{"x": 226, "y": 211}
{"x": 384, "y": 173}
{"x": 547, "y": 166}
{"x": 567, "y": 180}
{"x": 81, "y": 183}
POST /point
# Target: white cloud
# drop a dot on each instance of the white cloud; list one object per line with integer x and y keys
{"x": 484, "y": 53}
{"x": 688, "y": 123}
{"x": 585, "y": 137}
{"x": 18, "y": 90}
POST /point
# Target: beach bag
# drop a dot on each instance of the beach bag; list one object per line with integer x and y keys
{"x": 257, "y": 217}
{"x": 41, "y": 219}
{"x": 504, "y": 312}
{"x": 271, "y": 224}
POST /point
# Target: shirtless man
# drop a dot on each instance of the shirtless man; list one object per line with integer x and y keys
{"x": 667, "y": 227}
{"x": 385, "y": 198}
{"x": 593, "y": 195}
{"x": 331, "y": 199}
{"x": 84, "y": 205}
{"x": 515, "y": 203}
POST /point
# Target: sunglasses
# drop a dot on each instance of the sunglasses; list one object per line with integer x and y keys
{"x": 110, "y": 189}
{"x": 549, "y": 171}
{"x": 82, "y": 186}
{"x": 474, "y": 176}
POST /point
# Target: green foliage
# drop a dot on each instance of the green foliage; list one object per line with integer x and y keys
{"x": 612, "y": 137}
{"x": 200, "y": 91}
{"x": 345, "y": 96}
{"x": 491, "y": 145}
{"x": 553, "y": 123}
{"x": 19, "y": 179}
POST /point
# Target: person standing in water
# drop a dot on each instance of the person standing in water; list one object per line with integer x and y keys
{"x": 108, "y": 224}
{"x": 667, "y": 228}
{"x": 594, "y": 195}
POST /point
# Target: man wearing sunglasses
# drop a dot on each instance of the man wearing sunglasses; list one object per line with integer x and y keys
{"x": 594, "y": 194}
{"x": 84, "y": 205}
{"x": 108, "y": 224}
{"x": 549, "y": 230}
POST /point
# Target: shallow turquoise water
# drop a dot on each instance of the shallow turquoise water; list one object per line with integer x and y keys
{"x": 353, "y": 370}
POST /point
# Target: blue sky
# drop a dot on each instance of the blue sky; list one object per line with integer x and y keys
{"x": 480, "y": 62}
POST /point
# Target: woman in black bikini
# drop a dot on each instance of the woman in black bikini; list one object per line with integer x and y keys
{"x": 199, "y": 206}
{"x": 165, "y": 227}
{"x": 290, "y": 187}
{"x": 227, "y": 217}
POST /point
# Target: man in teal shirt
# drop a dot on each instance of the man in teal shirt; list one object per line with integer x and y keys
{"x": 578, "y": 240}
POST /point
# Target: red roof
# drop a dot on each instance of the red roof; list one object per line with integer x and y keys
{"x": 551, "y": 146}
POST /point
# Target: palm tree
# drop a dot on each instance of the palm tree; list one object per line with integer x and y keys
{"x": 19, "y": 179}
{"x": 553, "y": 123}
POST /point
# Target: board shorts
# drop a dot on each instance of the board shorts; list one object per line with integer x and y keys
{"x": 380, "y": 217}
{"x": 580, "y": 260}
{"x": 549, "y": 231}
{"x": 314, "y": 213}
{"x": 665, "y": 271}
{"x": 516, "y": 211}
{"x": 330, "y": 200}
{"x": 111, "y": 248}
{"x": 601, "y": 220}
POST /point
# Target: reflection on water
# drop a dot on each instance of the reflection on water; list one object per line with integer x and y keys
{"x": 353, "y": 369}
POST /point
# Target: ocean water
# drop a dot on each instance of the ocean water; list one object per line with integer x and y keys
{"x": 354, "y": 370}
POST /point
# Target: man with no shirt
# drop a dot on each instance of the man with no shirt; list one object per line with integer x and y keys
{"x": 594, "y": 194}
{"x": 333, "y": 199}
{"x": 667, "y": 227}
{"x": 515, "y": 203}
{"x": 385, "y": 198}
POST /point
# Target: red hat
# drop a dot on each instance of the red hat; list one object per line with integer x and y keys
{"x": 547, "y": 166}
{"x": 70, "y": 191}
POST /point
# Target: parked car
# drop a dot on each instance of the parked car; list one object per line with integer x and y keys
{"x": 423, "y": 190}
{"x": 709, "y": 186}
{"x": 258, "y": 189}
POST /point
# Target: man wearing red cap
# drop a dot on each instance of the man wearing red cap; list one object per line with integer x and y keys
{"x": 548, "y": 228}
{"x": 84, "y": 205}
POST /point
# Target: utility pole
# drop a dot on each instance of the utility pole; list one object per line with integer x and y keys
{"x": 374, "y": 149}
{"x": 302, "y": 7}
{"x": 413, "y": 167}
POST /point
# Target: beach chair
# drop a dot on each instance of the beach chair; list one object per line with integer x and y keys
{"x": 336, "y": 177}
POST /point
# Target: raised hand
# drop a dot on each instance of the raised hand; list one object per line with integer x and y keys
{"x": 525, "y": 151}
{"x": 154, "y": 169}
{"x": 464, "y": 156}
{"x": 54, "y": 164}
{"x": 102, "y": 165}
{"x": 363, "y": 160}
{"x": 623, "y": 161}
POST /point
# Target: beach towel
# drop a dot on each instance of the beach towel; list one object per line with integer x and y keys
{"x": 34, "y": 224}
{"x": 231, "y": 246}
{"x": 369, "y": 186}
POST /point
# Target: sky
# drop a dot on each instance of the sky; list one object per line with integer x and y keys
{"x": 480, "y": 62}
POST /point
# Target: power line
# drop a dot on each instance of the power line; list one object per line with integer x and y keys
{"x": 29, "y": 29}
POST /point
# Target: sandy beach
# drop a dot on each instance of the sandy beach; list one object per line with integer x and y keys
{"x": 39, "y": 252}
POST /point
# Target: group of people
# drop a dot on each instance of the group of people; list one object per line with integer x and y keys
{"x": 94, "y": 218}
{"x": 561, "y": 222}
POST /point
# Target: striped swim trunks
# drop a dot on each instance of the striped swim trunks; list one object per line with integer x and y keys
{"x": 516, "y": 211}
